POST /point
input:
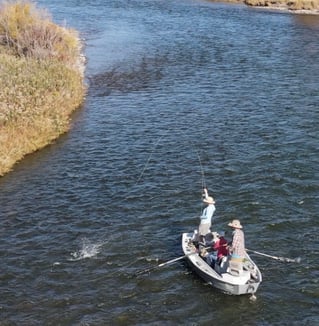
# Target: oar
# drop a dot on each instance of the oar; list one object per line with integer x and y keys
{"x": 165, "y": 263}
{"x": 284, "y": 259}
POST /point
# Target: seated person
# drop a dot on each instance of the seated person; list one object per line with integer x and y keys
{"x": 220, "y": 246}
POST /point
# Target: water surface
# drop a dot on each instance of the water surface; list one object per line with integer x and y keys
{"x": 182, "y": 94}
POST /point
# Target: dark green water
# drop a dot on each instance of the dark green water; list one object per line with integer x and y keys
{"x": 181, "y": 94}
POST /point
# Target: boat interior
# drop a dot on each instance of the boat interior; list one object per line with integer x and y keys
{"x": 229, "y": 270}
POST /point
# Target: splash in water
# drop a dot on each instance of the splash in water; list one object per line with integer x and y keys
{"x": 88, "y": 250}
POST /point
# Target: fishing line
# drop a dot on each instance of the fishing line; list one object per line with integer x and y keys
{"x": 175, "y": 129}
{"x": 149, "y": 158}
{"x": 194, "y": 149}
{"x": 154, "y": 147}
{"x": 200, "y": 163}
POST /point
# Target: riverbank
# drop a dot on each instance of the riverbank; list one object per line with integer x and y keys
{"x": 292, "y": 6}
{"x": 41, "y": 81}
{"x": 40, "y": 89}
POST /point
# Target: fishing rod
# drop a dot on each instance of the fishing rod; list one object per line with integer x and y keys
{"x": 283, "y": 259}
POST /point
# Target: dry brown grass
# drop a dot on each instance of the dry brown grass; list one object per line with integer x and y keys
{"x": 26, "y": 31}
{"x": 293, "y": 5}
{"x": 303, "y": 4}
{"x": 36, "y": 100}
{"x": 41, "y": 81}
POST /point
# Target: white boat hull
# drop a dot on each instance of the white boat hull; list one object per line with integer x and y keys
{"x": 247, "y": 282}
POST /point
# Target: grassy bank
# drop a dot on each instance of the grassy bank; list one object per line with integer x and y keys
{"x": 41, "y": 80}
{"x": 292, "y": 5}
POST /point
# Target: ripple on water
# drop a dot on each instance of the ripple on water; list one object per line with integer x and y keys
{"x": 228, "y": 101}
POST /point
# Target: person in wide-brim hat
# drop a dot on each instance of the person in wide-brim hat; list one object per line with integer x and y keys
{"x": 235, "y": 224}
{"x": 209, "y": 200}
{"x": 237, "y": 247}
{"x": 206, "y": 217}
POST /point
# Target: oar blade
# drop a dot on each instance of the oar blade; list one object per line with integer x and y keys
{"x": 147, "y": 270}
{"x": 289, "y": 260}
{"x": 283, "y": 259}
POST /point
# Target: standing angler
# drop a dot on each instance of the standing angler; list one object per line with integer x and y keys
{"x": 206, "y": 217}
{"x": 237, "y": 248}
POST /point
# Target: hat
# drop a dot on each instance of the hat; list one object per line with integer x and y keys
{"x": 209, "y": 200}
{"x": 235, "y": 224}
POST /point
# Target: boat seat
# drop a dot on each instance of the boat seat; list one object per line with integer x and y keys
{"x": 235, "y": 268}
{"x": 238, "y": 279}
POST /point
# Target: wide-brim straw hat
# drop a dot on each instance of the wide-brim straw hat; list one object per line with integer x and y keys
{"x": 235, "y": 224}
{"x": 209, "y": 200}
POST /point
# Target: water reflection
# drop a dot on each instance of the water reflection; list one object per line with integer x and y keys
{"x": 311, "y": 21}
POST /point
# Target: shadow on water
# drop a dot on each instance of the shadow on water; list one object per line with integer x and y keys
{"x": 127, "y": 79}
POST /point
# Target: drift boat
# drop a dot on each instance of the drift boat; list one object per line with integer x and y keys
{"x": 224, "y": 276}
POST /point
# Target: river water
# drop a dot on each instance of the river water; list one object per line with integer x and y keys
{"x": 182, "y": 94}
